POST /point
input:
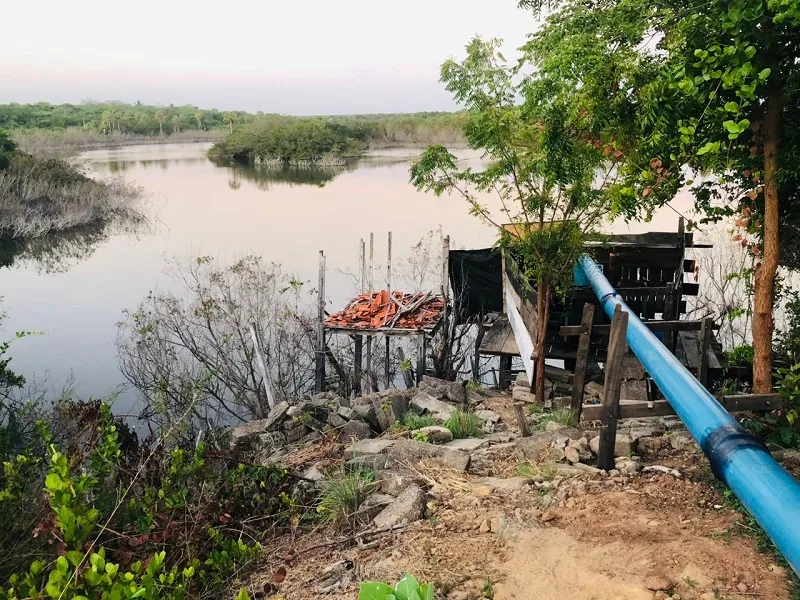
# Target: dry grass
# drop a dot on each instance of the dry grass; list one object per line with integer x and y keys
{"x": 46, "y": 196}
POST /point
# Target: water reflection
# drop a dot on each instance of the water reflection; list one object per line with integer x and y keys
{"x": 268, "y": 177}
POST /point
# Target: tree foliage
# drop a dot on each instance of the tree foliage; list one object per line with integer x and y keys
{"x": 692, "y": 94}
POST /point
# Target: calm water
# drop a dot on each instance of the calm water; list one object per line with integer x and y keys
{"x": 74, "y": 293}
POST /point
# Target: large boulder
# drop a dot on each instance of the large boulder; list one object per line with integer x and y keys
{"x": 390, "y": 409}
{"x": 373, "y": 505}
{"x": 395, "y": 483}
{"x": 366, "y": 412}
{"x": 245, "y": 437}
{"x": 407, "y": 453}
{"x": 408, "y": 507}
{"x": 453, "y": 391}
{"x": 275, "y": 417}
{"x": 368, "y": 447}
{"x": 426, "y": 404}
{"x": 539, "y": 446}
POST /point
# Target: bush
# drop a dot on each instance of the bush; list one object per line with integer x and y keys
{"x": 464, "y": 424}
{"x": 119, "y": 520}
{"x": 780, "y": 428}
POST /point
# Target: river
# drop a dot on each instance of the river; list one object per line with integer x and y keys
{"x": 74, "y": 295}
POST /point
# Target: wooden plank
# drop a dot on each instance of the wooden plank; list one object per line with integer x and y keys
{"x": 505, "y": 370}
{"x": 393, "y": 331}
{"x": 556, "y": 374}
{"x": 662, "y": 408}
{"x": 495, "y": 338}
{"x": 611, "y": 390}
{"x": 573, "y": 330}
{"x": 705, "y": 346}
{"x": 751, "y": 402}
{"x": 689, "y": 266}
{"x": 358, "y": 353}
{"x": 634, "y": 390}
{"x": 632, "y": 368}
{"x": 582, "y": 359}
{"x": 420, "y": 357}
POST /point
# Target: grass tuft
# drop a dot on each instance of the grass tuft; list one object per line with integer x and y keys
{"x": 547, "y": 470}
{"x": 343, "y": 494}
{"x": 563, "y": 416}
{"x": 413, "y": 421}
{"x": 464, "y": 424}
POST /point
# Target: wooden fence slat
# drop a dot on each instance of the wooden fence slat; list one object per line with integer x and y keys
{"x": 582, "y": 359}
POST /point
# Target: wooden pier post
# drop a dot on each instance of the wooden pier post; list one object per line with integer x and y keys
{"x": 705, "y": 346}
{"x": 522, "y": 422}
{"x": 582, "y": 360}
{"x": 387, "y": 372}
{"x": 319, "y": 372}
{"x": 611, "y": 389}
{"x": 420, "y": 357}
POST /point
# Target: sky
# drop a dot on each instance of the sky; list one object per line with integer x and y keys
{"x": 291, "y": 57}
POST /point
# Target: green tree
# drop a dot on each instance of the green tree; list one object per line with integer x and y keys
{"x": 160, "y": 117}
{"x": 691, "y": 93}
{"x": 198, "y": 116}
{"x": 541, "y": 175}
{"x": 229, "y": 119}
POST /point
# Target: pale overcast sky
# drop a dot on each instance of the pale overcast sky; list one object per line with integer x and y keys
{"x": 292, "y": 57}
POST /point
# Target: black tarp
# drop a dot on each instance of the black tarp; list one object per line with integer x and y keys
{"x": 477, "y": 281}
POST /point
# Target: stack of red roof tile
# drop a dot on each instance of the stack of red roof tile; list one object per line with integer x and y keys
{"x": 376, "y": 310}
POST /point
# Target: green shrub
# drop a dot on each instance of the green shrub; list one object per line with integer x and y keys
{"x": 343, "y": 495}
{"x": 408, "y": 588}
{"x": 780, "y": 428}
{"x": 124, "y": 521}
{"x": 464, "y": 424}
{"x": 413, "y": 421}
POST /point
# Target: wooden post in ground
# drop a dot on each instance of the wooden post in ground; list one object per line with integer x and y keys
{"x": 705, "y": 346}
{"x": 358, "y": 352}
{"x": 504, "y": 371}
{"x": 387, "y": 370}
{"x": 582, "y": 360}
{"x": 408, "y": 377}
{"x": 522, "y": 422}
{"x": 611, "y": 388}
{"x": 420, "y": 357}
{"x": 319, "y": 371}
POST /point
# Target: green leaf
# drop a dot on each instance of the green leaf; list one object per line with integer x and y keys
{"x": 243, "y": 595}
{"x": 708, "y": 147}
{"x": 405, "y": 587}
{"x": 732, "y": 107}
{"x": 53, "y": 482}
{"x": 426, "y": 591}
{"x": 764, "y": 73}
{"x": 374, "y": 590}
{"x": 74, "y": 557}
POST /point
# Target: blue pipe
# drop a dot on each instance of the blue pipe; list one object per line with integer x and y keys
{"x": 768, "y": 492}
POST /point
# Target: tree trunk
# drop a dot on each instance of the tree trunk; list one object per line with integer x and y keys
{"x": 764, "y": 290}
{"x": 160, "y": 128}
{"x": 543, "y": 313}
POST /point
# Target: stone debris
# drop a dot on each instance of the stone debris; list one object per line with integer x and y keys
{"x": 405, "y": 454}
{"x": 425, "y": 404}
{"x": 368, "y": 447}
{"x": 408, "y": 507}
{"x": 468, "y": 444}
{"x": 661, "y": 469}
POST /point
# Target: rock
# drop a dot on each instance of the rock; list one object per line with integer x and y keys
{"x": 652, "y": 446}
{"x": 335, "y": 421}
{"x": 627, "y": 466}
{"x": 425, "y": 404}
{"x": 368, "y": 447}
{"x": 406, "y": 453}
{"x": 485, "y": 526}
{"x": 313, "y": 473}
{"x": 499, "y": 437}
{"x": 474, "y": 398}
{"x": 681, "y": 440}
{"x": 355, "y": 430}
{"x": 572, "y": 455}
{"x": 742, "y": 587}
{"x": 434, "y": 434}
{"x": 487, "y": 415}
{"x": 625, "y": 444}
{"x": 522, "y": 380}
{"x": 275, "y": 417}
{"x": 537, "y": 447}
{"x": 593, "y": 389}
{"x": 395, "y": 483}
{"x": 587, "y": 468}
{"x": 546, "y": 501}
{"x": 373, "y": 505}
{"x": 468, "y": 444}
{"x": 661, "y": 469}
{"x": 454, "y": 391}
{"x": 655, "y": 583}
{"x": 524, "y": 395}
{"x": 366, "y": 412}
{"x": 245, "y": 436}
{"x": 372, "y": 462}
{"x": 346, "y": 412}
{"x": 661, "y": 595}
{"x": 511, "y": 484}
{"x": 408, "y": 507}
{"x": 549, "y": 515}
{"x": 594, "y": 444}
{"x": 296, "y": 433}
{"x": 390, "y": 409}
{"x": 553, "y": 426}
{"x": 481, "y": 490}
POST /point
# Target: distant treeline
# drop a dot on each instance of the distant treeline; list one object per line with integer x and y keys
{"x": 118, "y": 118}
{"x": 298, "y": 140}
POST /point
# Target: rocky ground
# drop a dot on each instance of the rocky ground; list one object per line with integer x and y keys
{"x": 504, "y": 516}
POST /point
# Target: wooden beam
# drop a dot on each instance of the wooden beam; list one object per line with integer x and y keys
{"x": 420, "y": 357}
{"x": 388, "y": 356}
{"x": 662, "y": 408}
{"x": 522, "y": 421}
{"x": 573, "y": 330}
{"x": 705, "y": 346}
{"x": 611, "y": 390}
{"x": 358, "y": 358}
{"x": 582, "y": 359}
